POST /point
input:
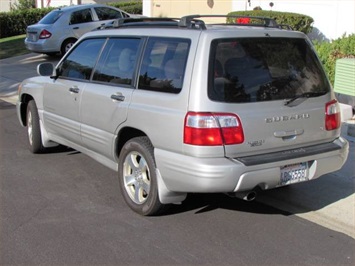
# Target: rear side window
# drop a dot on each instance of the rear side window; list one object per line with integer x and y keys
{"x": 263, "y": 69}
{"x": 51, "y": 17}
{"x": 118, "y": 61}
{"x": 163, "y": 66}
{"x": 80, "y": 62}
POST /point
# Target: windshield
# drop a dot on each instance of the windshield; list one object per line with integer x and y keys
{"x": 264, "y": 69}
{"x": 51, "y": 17}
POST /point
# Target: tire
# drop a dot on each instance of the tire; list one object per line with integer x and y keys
{"x": 67, "y": 44}
{"x": 138, "y": 177}
{"x": 33, "y": 128}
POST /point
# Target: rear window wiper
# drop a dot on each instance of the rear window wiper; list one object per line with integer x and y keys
{"x": 298, "y": 99}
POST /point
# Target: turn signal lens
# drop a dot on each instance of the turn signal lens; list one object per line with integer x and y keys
{"x": 332, "y": 115}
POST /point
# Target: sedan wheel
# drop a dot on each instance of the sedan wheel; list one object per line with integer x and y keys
{"x": 67, "y": 45}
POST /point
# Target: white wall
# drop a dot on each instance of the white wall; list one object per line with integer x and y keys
{"x": 332, "y": 18}
{"x": 5, "y": 5}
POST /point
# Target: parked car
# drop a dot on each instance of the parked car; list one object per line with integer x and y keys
{"x": 182, "y": 106}
{"x": 61, "y": 28}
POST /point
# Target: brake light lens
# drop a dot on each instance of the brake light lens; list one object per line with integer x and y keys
{"x": 332, "y": 115}
{"x": 45, "y": 34}
{"x": 212, "y": 129}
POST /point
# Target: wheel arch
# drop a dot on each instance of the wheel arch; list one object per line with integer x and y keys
{"x": 124, "y": 135}
{"x": 165, "y": 195}
{"x": 25, "y": 99}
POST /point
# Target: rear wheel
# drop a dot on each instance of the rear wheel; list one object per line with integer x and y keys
{"x": 67, "y": 44}
{"x": 33, "y": 129}
{"x": 138, "y": 177}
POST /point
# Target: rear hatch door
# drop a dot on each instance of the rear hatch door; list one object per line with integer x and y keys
{"x": 278, "y": 89}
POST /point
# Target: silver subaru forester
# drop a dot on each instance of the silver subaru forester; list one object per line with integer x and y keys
{"x": 179, "y": 106}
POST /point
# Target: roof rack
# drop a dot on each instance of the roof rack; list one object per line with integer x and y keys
{"x": 194, "y": 22}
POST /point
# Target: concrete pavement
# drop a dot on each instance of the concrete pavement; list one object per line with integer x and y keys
{"x": 328, "y": 201}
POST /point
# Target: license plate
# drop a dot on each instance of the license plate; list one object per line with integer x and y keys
{"x": 31, "y": 37}
{"x": 294, "y": 173}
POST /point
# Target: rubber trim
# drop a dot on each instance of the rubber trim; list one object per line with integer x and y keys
{"x": 288, "y": 154}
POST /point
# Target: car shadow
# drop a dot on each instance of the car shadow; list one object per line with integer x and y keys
{"x": 202, "y": 203}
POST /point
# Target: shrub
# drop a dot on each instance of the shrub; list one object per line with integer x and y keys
{"x": 328, "y": 53}
{"x": 298, "y": 22}
{"x": 133, "y": 7}
{"x": 15, "y": 22}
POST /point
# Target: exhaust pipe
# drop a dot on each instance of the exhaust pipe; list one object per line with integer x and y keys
{"x": 247, "y": 196}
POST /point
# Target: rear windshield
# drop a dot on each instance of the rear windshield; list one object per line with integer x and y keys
{"x": 51, "y": 17}
{"x": 263, "y": 69}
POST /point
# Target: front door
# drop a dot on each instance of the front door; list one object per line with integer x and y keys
{"x": 63, "y": 95}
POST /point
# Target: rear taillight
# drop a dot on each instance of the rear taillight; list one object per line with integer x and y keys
{"x": 332, "y": 115}
{"x": 45, "y": 34}
{"x": 212, "y": 129}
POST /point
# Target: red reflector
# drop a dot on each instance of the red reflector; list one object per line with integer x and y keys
{"x": 45, "y": 34}
{"x": 332, "y": 115}
{"x": 203, "y": 136}
{"x": 212, "y": 129}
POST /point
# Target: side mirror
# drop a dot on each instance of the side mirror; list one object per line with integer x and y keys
{"x": 45, "y": 69}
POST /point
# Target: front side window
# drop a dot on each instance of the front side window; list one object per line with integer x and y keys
{"x": 263, "y": 69}
{"x": 81, "y": 16}
{"x": 80, "y": 62}
{"x": 118, "y": 61}
{"x": 105, "y": 13}
{"x": 164, "y": 63}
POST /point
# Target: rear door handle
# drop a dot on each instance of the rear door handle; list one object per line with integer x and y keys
{"x": 74, "y": 89}
{"x": 75, "y": 28}
{"x": 118, "y": 97}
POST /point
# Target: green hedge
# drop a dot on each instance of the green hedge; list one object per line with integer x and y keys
{"x": 15, "y": 22}
{"x": 328, "y": 53}
{"x": 298, "y": 22}
{"x": 132, "y": 7}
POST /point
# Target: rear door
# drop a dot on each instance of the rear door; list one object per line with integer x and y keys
{"x": 278, "y": 89}
{"x": 82, "y": 21}
{"x": 106, "y": 99}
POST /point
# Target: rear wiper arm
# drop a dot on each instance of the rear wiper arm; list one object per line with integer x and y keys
{"x": 302, "y": 97}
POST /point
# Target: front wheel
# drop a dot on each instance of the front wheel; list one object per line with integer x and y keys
{"x": 138, "y": 177}
{"x": 33, "y": 128}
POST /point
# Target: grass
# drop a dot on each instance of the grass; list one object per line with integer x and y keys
{"x": 12, "y": 46}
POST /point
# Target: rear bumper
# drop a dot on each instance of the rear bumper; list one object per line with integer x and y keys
{"x": 182, "y": 173}
{"x": 41, "y": 46}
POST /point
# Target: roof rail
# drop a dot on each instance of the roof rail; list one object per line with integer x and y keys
{"x": 193, "y": 22}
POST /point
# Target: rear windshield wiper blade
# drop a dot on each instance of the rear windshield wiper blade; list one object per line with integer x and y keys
{"x": 302, "y": 97}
